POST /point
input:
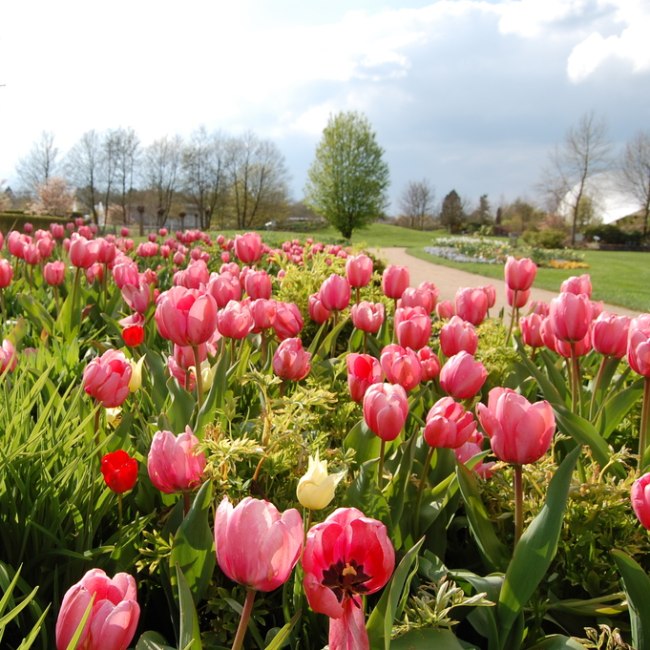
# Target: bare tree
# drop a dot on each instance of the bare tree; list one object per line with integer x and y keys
{"x": 108, "y": 166}
{"x": 416, "y": 203}
{"x": 83, "y": 166}
{"x": 126, "y": 145}
{"x": 257, "y": 180}
{"x": 204, "y": 178}
{"x": 36, "y": 168}
{"x": 584, "y": 152}
{"x": 636, "y": 173}
{"x": 161, "y": 172}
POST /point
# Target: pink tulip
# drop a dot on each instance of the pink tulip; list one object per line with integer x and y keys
{"x": 491, "y": 294}
{"x": 54, "y": 273}
{"x": 570, "y": 316}
{"x": 137, "y": 297}
{"x": 335, "y": 292}
{"x": 458, "y": 335}
{"x": 106, "y": 378}
{"x": 358, "y": 270}
{"x": 394, "y": 281}
{"x": 6, "y": 273}
{"x": 317, "y": 311}
{"x": 368, "y": 316}
{"x": 263, "y": 312}
{"x": 174, "y": 464}
{"x": 429, "y": 363}
{"x": 412, "y": 327}
{"x": 248, "y": 247}
{"x": 256, "y": 545}
{"x": 291, "y": 361}
{"x": 531, "y": 332}
{"x": 519, "y": 432}
{"x": 224, "y": 287}
{"x": 186, "y": 316}
{"x": 425, "y": 295}
{"x": 467, "y": 452}
{"x": 609, "y": 334}
{"x": 363, "y": 371}
{"x": 125, "y": 272}
{"x": 577, "y": 285}
{"x": 346, "y": 557}
{"x": 520, "y": 274}
{"x": 401, "y": 366}
{"x": 194, "y": 276}
{"x": 258, "y": 285}
{"x": 288, "y": 320}
{"x": 547, "y": 334}
{"x": 385, "y": 407}
{"x": 517, "y": 299}
{"x": 235, "y": 320}
{"x": 471, "y": 304}
{"x": 83, "y": 252}
{"x": 638, "y": 345}
{"x": 114, "y": 613}
{"x": 640, "y": 497}
{"x": 462, "y": 376}
{"x": 445, "y": 309}
{"x": 8, "y": 357}
{"x": 448, "y": 424}
{"x": 539, "y": 307}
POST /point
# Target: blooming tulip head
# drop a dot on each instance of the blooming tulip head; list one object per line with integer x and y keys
{"x": 519, "y": 432}
{"x": 530, "y": 327}
{"x": 517, "y": 299}
{"x": 638, "y": 345}
{"x": 114, "y": 613}
{"x": 291, "y": 361}
{"x": 358, "y": 270}
{"x": 316, "y": 488}
{"x": 368, "y": 316}
{"x": 288, "y": 320}
{"x": 577, "y": 284}
{"x": 335, "y": 292}
{"x": 429, "y": 363}
{"x": 317, "y": 310}
{"x": 401, "y": 366}
{"x": 186, "y": 316}
{"x": 174, "y": 464}
{"x": 248, "y": 247}
{"x": 347, "y": 556}
{"x": 462, "y": 376}
{"x": 8, "y": 357}
{"x": 458, "y": 335}
{"x": 412, "y": 327}
{"x": 256, "y": 545}
{"x": 570, "y": 316}
{"x": 520, "y": 274}
{"x": 258, "y": 285}
{"x": 609, "y": 334}
{"x": 54, "y": 273}
{"x": 394, "y": 281}
{"x": 445, "y": 309}
{"x": 425, "y": 295}
{"x": 471, "y": 304}
{"x": 120, "y": 471}
{"x": 106, "y": 378}
{"x": 448, "y": 424}
{"x": 363, "y": 371}
{"x": 640, "y": 498}
{"x": 385, "y": 407}
{"x": 235, "y": 320}
{"x": 6, "y": 273}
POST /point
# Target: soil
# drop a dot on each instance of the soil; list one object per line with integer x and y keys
{"x": 448, "y": 280}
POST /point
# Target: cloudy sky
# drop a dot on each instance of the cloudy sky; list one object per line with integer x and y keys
{"x": 472, "y": 95}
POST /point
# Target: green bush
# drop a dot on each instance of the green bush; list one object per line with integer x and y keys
{"x": 549, "y": 238}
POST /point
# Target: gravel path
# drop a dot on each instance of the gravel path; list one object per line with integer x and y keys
{"x": 448, "y": 280}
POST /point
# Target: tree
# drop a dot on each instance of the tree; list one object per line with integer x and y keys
{"x": 83, "y": 167}
{"x": 636, "y": 173}
{"x": 126, "y": 149}
{"x": 161, "y": 172}
{"x": 416, "y": 203}
{"x": 584, "y": 152}
{"x": 483, "y": 213}
{"x": 35, "y": 169}
{"x": 257, "y": 177}
{"x": 53, "y": 198}
{"x": 452, "y": 213}
{"x": 520, "y": 216}
{"x": 348, "y": 179}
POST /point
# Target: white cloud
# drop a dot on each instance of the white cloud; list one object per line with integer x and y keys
{"x": 531, "y": 18}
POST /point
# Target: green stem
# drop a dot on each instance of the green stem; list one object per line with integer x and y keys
{"x": 243, "y": 621}
{"x": 512, "y": 316}
{"x": 423, "y": 483}
{"x": 357, "y": 291}
{"x": 96, "y": 431}
{"x": 596, "y": 386}
{"x": 187, "y": 501}
{"x": 519, "y": 503}
{"x": 119, "y": 511}
{"x": 576, "y": 399}
{"x": 643, "y": 431}
{"x": 380, "y": 469}
{"x": 199, "y": 377}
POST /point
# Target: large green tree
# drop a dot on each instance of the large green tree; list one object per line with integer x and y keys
{"x": 348, "y": 179}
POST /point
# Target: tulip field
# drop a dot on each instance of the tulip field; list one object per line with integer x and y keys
{"x": 212, "y": 442}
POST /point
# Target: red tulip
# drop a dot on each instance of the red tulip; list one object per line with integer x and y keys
{"x": 256, "y": 545}
{"x": 394, "y": 281}
{"x": 519, "y": 432}
{"x": 114, "y": 612}
{"x": 346, "y": 557}
{"x": 401, "y": 366}
{"x": 520, "y": 274}
{"x": 106, "y": 378}
{"x": 609, "y": 334}
{"x": 385, "y": 407}
{"x": 462, "y": 376}
{"x": 458, "y": 335}
{"x": 368, "y": 316}
{"x": 291, "y": 361}
{"x": 577, "y": 285}
{"x": 174, "y": 464}
{"x": 471, "y": 304}
{"x": 412, "y": 327}
{"x": 248, "y": 247}
{"x": 570, "y": 316}
{"x": 638, "y": 345}
{"x": 186, "y": 316}
{"x": 358, "y": 270}
{"x": 363, "y": 371}
{"x": 133, "y": 335}
{"x": 429, "y": 363}
{"x": 120, "y": 471}
{"x": 640, "y": 498}
{"x": 448, "y": 424}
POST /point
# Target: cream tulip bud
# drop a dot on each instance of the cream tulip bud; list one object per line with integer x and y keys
{"x": 316, "y": 488}
{"x": 136, "y": 374}
{"x": 114, "y": 416}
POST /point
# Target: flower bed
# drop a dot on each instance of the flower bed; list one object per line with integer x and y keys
{"x": 210, "y": 442}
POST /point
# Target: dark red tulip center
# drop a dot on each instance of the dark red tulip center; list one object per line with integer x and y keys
{"x": 345, "y": 579}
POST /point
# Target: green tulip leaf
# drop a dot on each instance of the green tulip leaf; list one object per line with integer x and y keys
{"x": 189, "y": 633}
{"x": 425, "y": 639}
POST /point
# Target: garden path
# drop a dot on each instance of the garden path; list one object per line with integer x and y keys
{"x": 447, "y": 280}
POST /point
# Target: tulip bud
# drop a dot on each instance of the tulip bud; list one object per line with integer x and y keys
{"x": 316, "y": 488}
{"x": 136, "y": 374}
